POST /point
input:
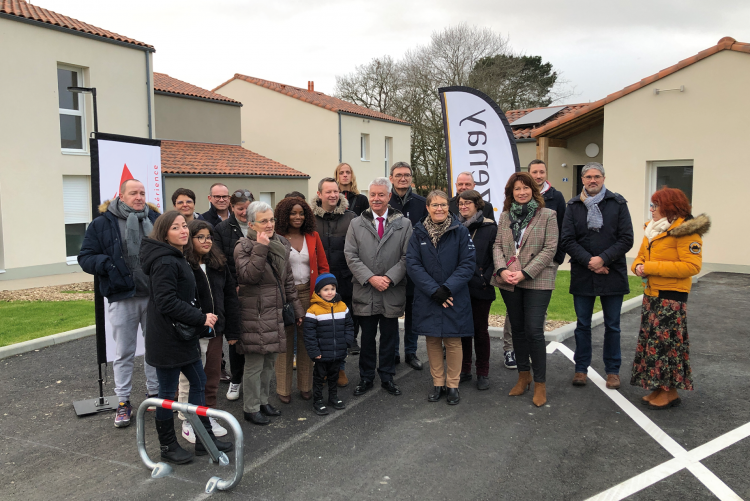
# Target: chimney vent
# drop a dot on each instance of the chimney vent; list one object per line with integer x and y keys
{"x": 311, "y": 86}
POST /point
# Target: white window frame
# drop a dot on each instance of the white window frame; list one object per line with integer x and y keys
{"x": 364, "y": 147}
{"x": 78, "y": 113}
{"x": 388, "y": 153}
{"x": 653, "y": 167}
{"x": 84, "y": 215}
{"x": 268, "y": 196}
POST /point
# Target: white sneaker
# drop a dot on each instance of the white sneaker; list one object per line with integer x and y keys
{"x": 219, "y": 431}
{"x": 234, "y": 391}
{"x": 187, "y": 431}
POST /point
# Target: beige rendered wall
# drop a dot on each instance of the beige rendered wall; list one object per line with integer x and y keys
{"x": 32, "y": 164}
{"x": 186, "y": 119}
{"x": 297, "y": 134}
{"x": 353, "y": 127}
{"x": 707, "y": 123}
{"x": 200, "y": 185}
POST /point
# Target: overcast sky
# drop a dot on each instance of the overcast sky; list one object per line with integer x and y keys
{"x": 599, "y": 46}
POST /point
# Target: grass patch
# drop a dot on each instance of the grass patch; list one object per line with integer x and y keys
{"x": 26, "y": 320}
{"x": 561, "y": 304}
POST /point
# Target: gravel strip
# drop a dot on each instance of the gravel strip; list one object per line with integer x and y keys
{"x": 499, "y": 321}
{"x": 52, "y": 293}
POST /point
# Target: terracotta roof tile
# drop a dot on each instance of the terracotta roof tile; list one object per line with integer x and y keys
{"x": 525, "y": 132}
{"x": 726, "y": 43}
{"x": 165, "y": 83}
{"x": 22, "y": 9}
{"x": 317, "y": 98}
{"x": 183, "y": 157}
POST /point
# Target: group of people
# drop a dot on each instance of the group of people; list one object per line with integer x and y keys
{"x": 291, "y": 287}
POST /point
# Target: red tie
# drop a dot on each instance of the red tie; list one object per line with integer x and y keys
{"x": 380, "y": 227}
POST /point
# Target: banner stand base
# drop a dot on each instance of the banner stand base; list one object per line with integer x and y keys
{"x": 95, "y": 406}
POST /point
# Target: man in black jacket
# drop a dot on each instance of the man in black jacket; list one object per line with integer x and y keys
{"x": 596, "y": 233}
{"x": 414, "y": 207}
{"x": 218, "y": 197}
{"x": 465, "y": 181}
{"x": 333, "y": 216}
{"x": 110, "y": 250}
{"x": 553, "y": 200}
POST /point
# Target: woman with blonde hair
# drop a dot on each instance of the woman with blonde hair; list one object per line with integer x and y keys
{"x": 347, "y": 181}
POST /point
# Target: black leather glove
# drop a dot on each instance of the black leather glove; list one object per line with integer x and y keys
{"x": 441, "y": 295}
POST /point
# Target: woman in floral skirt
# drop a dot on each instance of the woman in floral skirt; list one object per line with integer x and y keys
{"x": 670, "y": 254}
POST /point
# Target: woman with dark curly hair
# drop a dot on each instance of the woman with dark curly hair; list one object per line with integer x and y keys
{"x": 670, "y": 254}
{"x": 296, "y": 223}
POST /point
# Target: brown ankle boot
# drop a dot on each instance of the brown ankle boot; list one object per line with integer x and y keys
{"x": 524, "y": 381}
{"x": 648, "y": 398}
{"x": 343, "y": 380}
{"x": 665, "y": 400}
{"x": 540, "y": 394}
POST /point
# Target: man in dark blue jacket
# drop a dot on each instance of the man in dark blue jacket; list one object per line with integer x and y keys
{"x": 596, "y": 233}
{"x": 218, "y": 198}
{"x": 465, "y": 181}
{"x": 414, "y": 208}
{"x": 110, "y": 250}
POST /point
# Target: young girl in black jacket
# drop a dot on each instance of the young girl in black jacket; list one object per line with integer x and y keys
{"x": 217, "y": 293}
{"x": 172, "y": 299}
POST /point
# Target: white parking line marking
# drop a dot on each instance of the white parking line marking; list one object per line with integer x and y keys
{"x": 682, "y": 458}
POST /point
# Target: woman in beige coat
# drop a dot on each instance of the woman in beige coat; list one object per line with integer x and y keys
{"x": 263, "y": 269}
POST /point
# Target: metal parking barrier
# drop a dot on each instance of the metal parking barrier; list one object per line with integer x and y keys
{"x": 191, "y": 412}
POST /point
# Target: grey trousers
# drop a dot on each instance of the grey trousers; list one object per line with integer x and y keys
{"x": 125, "y": 316}
{"x": 256, "y": 381}
{"x": 507, "y": 335}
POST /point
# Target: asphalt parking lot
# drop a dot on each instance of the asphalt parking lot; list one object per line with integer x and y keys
{"x": 586, "y": 442}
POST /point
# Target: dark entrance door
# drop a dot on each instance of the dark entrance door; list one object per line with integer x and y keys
{"x": 578, "y": 182}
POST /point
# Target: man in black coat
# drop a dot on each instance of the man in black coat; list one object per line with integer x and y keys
{"x": 553, "y": 200}
{"x": 111, "y": 250}
{"x": 218, "y": 197}
{"x": 333, "y": 216}
{"x": 465, "y": 181}
{"x": 596, "y": 233}
{"x": 414, "y": 207}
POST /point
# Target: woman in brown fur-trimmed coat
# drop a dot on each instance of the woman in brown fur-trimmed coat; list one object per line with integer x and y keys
{"x": 263, "y": 269}
{"x": 670, "y": 255}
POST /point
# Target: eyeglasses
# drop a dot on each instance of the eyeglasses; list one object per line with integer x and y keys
{"x": 465, "y": 204}
{"x": 439, "y": 206}
{"x": 653, "y": 206}
{"x": 402, "y": 176}
{"x": 266, "y": 221}
{"x": 593, "y": 178}
{"x": 220, "y": 197}
{"x": 243, "y": 193}
{"x": 203, "y": 238}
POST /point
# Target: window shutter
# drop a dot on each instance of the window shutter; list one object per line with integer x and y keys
{"x": 76, "y": 201}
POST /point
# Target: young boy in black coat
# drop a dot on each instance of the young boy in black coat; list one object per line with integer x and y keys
{"x": 328, "y": 331}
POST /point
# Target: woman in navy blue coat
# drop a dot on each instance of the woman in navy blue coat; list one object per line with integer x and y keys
{"x": 440, "y": 261}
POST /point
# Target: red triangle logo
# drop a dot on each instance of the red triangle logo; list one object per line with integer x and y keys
{"x": 125, "y": 176}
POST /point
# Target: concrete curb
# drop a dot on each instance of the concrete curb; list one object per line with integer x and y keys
{"x": 562, "y": 333}
{"x": 43, "y": 342}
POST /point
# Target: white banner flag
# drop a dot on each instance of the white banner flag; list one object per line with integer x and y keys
{"x": 120, "y": 160}
{"x": 478, "y": 139}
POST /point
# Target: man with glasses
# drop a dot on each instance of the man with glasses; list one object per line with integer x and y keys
{"x": 465, "y": 181}
{"x": 219, "y": 199}
{"x": 183, "y": 200}
{"x": 596, "y": 233}
{"x": 414, "y": 208}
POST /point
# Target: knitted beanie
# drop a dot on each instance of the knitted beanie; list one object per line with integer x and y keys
{"x": 323, "y": 280}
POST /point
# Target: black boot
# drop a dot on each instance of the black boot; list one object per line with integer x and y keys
{"x": 436, "y": 394}
{"x": 452, "y": 396}
{"x": 170, "y": 449}
{"x": 200, "y": 449}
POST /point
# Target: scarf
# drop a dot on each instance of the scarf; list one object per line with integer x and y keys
{"x": 520, "y": 216}
{"x": 468, "y": 222}
{"x": 594, "y": 218}
{"x": 403, "y": 199}
{"x": 276, "y": 253}
{"x": 436, "y": 230}
{"x": 654, "y": 228}
{"x": 134, "y": 220}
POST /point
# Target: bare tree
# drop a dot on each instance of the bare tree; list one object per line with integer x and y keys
{"x": 374, "y": 85}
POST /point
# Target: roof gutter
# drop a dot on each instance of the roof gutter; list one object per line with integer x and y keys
{"x": 340, "y": 137}
{"x": 368, "y": 117}
{"x": 149, "y": 96}
{"x": 197, "y": 98}
{"x": 69, "y": 31}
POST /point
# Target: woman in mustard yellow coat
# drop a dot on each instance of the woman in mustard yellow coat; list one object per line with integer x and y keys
{"x": 670, "y": 254}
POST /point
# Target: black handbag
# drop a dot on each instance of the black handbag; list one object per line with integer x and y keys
{"x": 190, "y": 332}
{"x": 287, "y": 311}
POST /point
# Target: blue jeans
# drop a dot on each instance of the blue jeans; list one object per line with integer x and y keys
{"x": 611, "y": 306}
{"x": 410, "y": 339}
{"x": 169, "y": 379}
